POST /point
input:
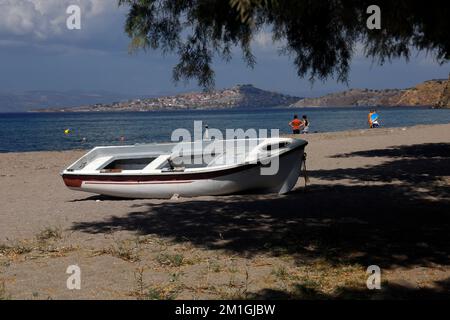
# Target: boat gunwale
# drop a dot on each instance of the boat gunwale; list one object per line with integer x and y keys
{"x": 196, "y": 171}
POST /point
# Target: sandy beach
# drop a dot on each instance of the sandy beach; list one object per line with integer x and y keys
{"x": 375, "y": 197}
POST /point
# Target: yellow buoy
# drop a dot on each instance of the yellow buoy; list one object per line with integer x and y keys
{"x": 67, "y": 131}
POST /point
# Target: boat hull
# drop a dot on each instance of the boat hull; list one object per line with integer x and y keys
{"x": 240, "y": 179}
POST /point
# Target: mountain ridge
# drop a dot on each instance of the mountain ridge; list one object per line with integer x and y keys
{"x": 239, "y": 96}
{"x": 431, "y": 93}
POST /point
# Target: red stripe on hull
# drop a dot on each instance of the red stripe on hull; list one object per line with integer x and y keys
{"x": 75, "y": 180}
{"x": 136, "y": 182}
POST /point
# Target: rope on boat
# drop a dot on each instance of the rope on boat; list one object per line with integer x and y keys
{"x": 305, "y": 172}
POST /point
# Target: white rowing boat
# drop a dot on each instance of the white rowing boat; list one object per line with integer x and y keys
{"x": 197, "y": 168}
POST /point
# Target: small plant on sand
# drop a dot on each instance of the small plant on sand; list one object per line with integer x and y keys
{"x": 232, "y": 268}
{"x": 49, "y": 233}
{"x": 125, "y": 250}
{"x": 139, "y": 278}
{"x": 3, "y": 248}
{"x": 308, "y": 283}
{"x": 3, "y": 294}
{"x": 214, "y": 267}
{"x": 280, "y": 272}
{"x": 307, "y": 289}
{"x": 155, "y": 293}
{"x": 172, "y": 260}
{"x": 235, "y": 291}
{"x": 4, "y": 263}
{"x": 175, "y": 277}
{"x": 144, "y": 292}
{"x": 15, "y": 249}
{"x": 18, "y": 248}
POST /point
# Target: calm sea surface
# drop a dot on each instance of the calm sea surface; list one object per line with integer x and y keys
{"x": 45, "y": 131}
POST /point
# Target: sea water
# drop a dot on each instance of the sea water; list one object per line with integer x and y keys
{"x": 45, "y": 131}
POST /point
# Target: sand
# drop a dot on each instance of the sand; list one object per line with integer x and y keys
{"x": 375, "y": 197}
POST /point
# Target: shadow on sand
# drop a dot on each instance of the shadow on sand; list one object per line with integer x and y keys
{"x": 370, "y": 221}
{"x": 441, "y": 290}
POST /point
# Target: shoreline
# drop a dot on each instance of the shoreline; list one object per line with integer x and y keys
{"x": 375, "y": 197}
{"x": 426, "y": 107}
{"x": 318, "y": 135}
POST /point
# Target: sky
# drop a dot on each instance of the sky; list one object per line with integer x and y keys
{"x": 38, "y": 52}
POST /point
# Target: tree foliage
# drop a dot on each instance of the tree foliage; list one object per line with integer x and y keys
{"x": 319, "y": 35}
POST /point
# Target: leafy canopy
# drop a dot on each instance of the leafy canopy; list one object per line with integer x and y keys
{"x": 319, "y": 35}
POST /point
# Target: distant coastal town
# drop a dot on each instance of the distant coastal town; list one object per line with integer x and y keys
{"x": 244, "y": 96}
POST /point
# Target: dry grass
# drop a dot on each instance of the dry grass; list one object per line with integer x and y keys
{"x": 143, "y": 291}
{"x": 43, "y": 245}
{"x": 15, "y": 249}
{"x": 235, "y": 290}
{"x": 232, "y": 277}
{"x": 214, "y": 266}
{"x": 193, "y": 274}
{"x": 49, "y": 233}
{"x": 127, "y": 250}
{"x": 280, "y": 272}
{"x": 321, "y": 279}
{"x": 171, "y": 260}
{"x": 224, "y": 277}
{"x": 3, "y": 294}
{"x": 158, "y": 293}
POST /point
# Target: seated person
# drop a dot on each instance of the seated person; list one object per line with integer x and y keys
{"x": 373, "y": 119}
{"x": 305, "y": 125}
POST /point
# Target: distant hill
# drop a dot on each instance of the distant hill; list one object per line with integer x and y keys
{"x": 240, "y": 96}
{"x": 38, "y": 99}
{"x": 432, "y": 93}
{"x": 444, "y": 101}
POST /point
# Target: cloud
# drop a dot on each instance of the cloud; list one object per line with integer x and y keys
{"x": 44, "y": 19}
{"x": 41, "y": 24}
{"x": 264, "y": 42}
{"x": 263, "y": 39}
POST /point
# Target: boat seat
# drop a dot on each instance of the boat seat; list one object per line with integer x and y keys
{"x": 96, "y": 164}
{"x": 155, "y": 164}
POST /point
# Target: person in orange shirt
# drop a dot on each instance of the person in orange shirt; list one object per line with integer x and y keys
{"x": 369, "y": 118}
{"x": 296, "y": 124}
